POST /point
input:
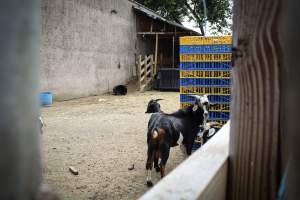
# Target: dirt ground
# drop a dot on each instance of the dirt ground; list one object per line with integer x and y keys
{"x": 101, "y": 136}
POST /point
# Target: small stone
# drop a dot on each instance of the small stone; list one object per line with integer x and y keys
{"x": 131, "y": 168}
{"x": 81, "y": 187}
{"x": 73, "y": 170}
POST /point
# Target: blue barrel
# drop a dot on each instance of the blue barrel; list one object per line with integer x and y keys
{"x": 46, "y": 98}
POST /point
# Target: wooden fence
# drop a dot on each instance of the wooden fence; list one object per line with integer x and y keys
{"x": 145, "y": 71}
{"x": 255, "y": 109}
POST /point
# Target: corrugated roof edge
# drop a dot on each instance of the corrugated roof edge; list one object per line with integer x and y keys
{"x": 152, "y": 14}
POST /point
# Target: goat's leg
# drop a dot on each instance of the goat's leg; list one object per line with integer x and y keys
{"x": 149, "y": 165}
{"x": 190, "y": 143}
{"x": 165, "y": 152}
{"x": 156, "y": 166}
{"x": 189, "y": 146}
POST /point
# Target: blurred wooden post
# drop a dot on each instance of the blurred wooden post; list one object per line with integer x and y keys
{"x": 20, "y": 168}
{"x": 173, "y": 49}
{"x": 156, "y": 51}
{"x": 152, "y": 66}
{"x": 254, "y": 145}
{"x": 290, "y": 129}
{"x": 146, "y": 68}
{"x": 139, "y": 71}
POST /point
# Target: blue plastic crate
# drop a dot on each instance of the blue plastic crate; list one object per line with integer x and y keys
{"x": 222, "y": 99}
{"x": 214, "y": 82}
{"x": 205, "y": 65}
{"x": 217, "y": 48}
{"x": 219, "y": 98}
{"x": 219, "y": 116}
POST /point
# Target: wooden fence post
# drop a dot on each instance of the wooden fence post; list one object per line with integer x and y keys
{"x": 254, "y": 158}
{"x": 20, "y": 168}
{"x": 139, "y": 71}
{"x": 152, "y": 66}
{"x": 156, "y": 51}
{"x": 146, "y": 68}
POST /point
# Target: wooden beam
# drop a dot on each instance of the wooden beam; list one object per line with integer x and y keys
{"x": 142, "y": 79}
{"x": 155, "y": 56}
{"x": 148, "y": 65}
{"x": 173, "y": 49}
{"x": 163, "y": 33}
{"x": 139, "y": 67}
{"x": 151, "y": 26}
{"x": 148, "y": 73}
{"x": 142, "y": 63}
{"x": 152, "y": 66}
{"x": 143, "y": 69}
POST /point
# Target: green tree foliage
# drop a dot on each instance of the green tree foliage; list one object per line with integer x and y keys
{"x": 218, "y": 12}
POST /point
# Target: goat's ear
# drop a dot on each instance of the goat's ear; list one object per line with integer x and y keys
{"x": 195, "y": 107}
{"x": 158, "y": 100}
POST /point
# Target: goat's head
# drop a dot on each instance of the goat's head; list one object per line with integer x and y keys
{"x": 203, "y": 102}
{"x": 153, "y": 106}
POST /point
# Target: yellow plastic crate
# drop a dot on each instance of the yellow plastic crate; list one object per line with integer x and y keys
{"x": 198, "y": 40}
{"x": 218, "y": 107}
{"x": 204, "y": 90}
{"x": 217, "y": 57}
{"x": 204, "y": 74}
{"x": 221, "y": 122}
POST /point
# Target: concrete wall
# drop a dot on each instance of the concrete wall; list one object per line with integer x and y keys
{"x": 88, "y": 46}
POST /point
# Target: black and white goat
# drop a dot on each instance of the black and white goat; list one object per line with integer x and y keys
{"x": 206, "y": 132}
{"x": 164, "y": 131}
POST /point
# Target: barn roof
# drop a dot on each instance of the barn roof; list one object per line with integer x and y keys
{"x": 152, "y": 14}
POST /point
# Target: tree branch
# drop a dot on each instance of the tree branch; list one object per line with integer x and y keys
{"x": 197, "y": 18}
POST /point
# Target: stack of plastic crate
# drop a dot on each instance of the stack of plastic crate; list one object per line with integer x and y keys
{"x": 205, "y": 68}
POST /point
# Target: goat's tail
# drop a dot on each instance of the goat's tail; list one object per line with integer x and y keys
{"x": 155, "y": 134}
{"x": 158, "y": 133}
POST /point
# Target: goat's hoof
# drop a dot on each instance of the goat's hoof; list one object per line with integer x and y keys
{"x": 149, "y": 183}
{"x": 157, "y": 169}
